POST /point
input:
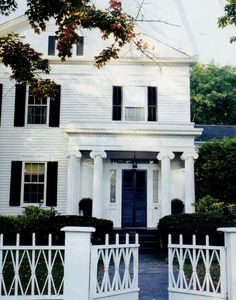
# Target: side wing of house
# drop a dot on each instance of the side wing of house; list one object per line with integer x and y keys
{"x": 120, "y": 135}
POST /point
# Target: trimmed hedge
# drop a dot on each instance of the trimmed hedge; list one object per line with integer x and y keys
{"x": 43, "y": 225}
{"x": 190, "y": 224}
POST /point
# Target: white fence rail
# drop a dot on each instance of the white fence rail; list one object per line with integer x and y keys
{"x": 31, "y": 272}
{"x": 197, "y": 270}
{"x": 114, "y": 269}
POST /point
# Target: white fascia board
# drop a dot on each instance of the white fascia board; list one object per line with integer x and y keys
{"x": 133, "y": 129}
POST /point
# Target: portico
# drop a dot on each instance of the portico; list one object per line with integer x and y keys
{"x": 100, "y": 166}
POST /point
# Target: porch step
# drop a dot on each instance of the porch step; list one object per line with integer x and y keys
{"x": 148, "y": 238}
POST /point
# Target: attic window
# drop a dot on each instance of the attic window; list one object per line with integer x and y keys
{"x": 51, "y": 45}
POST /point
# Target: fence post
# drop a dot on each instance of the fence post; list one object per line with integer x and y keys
{"x": 230, "y": 244}
{"x": 77, "y": 262}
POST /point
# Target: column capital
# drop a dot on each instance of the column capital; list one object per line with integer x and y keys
{"x": 74, "y": 152}
{"x": 95, "y": 153}
{"x": 163, "y": 154}
{"x": 189, "y": 154}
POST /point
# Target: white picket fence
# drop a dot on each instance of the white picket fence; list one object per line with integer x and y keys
{"x": 76, "y": 271}
{"x": 114, "y": 268}
{"x": 196, "y": 270}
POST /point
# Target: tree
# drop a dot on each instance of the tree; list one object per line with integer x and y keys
{"x": 213, "y": 94}
{"x": 69, "y": 16}
{"x": 230, "y": 17}
{"x": 215, "y": 170}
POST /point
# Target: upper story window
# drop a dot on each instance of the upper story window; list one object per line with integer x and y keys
{"x": 37, "y": 110}
{"x": 34, "y": 183}
{"x": 52, "y": 43}
{"x": 134, "y": 103}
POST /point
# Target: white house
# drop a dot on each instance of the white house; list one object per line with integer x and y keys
{"x": 120, "y": 135}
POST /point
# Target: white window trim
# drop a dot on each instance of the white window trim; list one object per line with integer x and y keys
{"x": 27, "y": 108}
{"x": 23, "y": 184}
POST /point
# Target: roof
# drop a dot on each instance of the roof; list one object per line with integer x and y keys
{"x": 216, "y": 132}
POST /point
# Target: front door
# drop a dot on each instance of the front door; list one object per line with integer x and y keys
{"x": 134, "y": 198}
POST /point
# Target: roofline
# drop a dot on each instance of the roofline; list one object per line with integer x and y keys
{"x": 14, "y": 22}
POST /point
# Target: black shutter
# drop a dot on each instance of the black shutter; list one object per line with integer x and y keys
{"x": 19, "y": 117}
{"x": 152, "y": 103}
{"x": 54, "y": 110}
{"x": 51, "y": 45}
{"x": 1, "y": 86}
{"x": 51, "y": 196}
{"x": 117, "y": 103}
{"x": 15, "y": 186}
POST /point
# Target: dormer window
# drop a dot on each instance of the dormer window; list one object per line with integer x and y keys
{"x": 134, "y": 103}
{"x": 51, "y": 45}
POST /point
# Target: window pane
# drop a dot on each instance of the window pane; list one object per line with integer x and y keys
{"x": 80, "y": 47}
{"x": 112, "y": 186}
{"x": 134, "y": 114}
{"x": 34, "y": 182}
{"x": 135, "y": 96}
{"x": 155, "y": 186}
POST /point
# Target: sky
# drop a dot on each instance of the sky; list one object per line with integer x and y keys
{"x": 187, "y": 25}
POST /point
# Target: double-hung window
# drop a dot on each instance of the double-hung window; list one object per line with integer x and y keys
{"x": 37, "y": 109}
{"x": 134, "y": 103}
{"x": 30, "y": 110}
{"x": 34, "y": 183}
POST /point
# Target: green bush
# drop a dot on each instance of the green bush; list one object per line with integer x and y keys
{"x": 209, "y": 205}
{"x": 45, "y": 221}
{"x": 215, "y": 170}
{"x": 190, "y": 224}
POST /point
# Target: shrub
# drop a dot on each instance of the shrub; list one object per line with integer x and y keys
{"x": 215, "y": 170}
{"x": 44, "y": 221}
{"x": 209, "y": 205}
{"x": 190, "y": 224}
{"x": 85, "y": 205}
{"x": 177, "y": 206}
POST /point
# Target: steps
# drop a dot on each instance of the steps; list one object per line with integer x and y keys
{"x": 148, "y": 238}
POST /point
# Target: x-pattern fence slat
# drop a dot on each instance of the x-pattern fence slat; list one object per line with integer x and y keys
{"x": 31, "y": 271}
{"x": 114, "y": 268}
{"x": 197, "y": 269}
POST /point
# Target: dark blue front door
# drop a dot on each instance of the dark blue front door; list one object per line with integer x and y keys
{"x": 134, "y": 198}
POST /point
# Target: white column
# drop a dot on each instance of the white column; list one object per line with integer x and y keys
{"x": 73, "y": 193}
{"x": 98, "y": 184}
{"x": 189, "y": 158}
{"x": 230, "y": 277}
{"x": 165, "y": 203}
{"x": 77, "y": 262}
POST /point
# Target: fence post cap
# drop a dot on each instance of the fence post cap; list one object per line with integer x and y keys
{"x": 78, "y": 229}
{"x": 227, "y": 229}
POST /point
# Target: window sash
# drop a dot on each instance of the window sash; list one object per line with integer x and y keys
{"x": 37, "y": 110}
{"x": 34, "y": 182}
